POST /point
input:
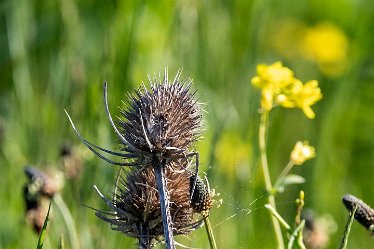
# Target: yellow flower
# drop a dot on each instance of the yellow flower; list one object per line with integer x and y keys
{"x": 299, "y": 95}
{"x": 302, "y": 152}
{"x": 278, "y": 84}
{"x": 271, "y": 79}
{"x": 328, "y": 46}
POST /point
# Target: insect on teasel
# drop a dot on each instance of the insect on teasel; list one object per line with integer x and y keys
{"x": 364, "y": 213}
{"x": 201, "y": 200}
{"x": 157, "y": 131}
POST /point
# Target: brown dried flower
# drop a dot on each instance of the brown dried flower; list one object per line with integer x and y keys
{"x": 165, "y": 120}
{"x": 364, "y": 214}
{"x": 38, "y": 192}
{"x": 161, "y": 123}
{"x": 135, "y": 208}
{"x": 156, "y": 132}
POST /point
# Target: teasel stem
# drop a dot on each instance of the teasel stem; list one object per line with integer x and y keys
{"x": 159, "y": 167}
{"x": 265, "y": 170}
{"x": 209, "y": 231}
{"x": 348, "y": 226}
{"x": 144, "y": 239}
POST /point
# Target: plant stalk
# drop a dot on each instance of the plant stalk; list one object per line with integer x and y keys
{"x": 265, "y": 170}
{"x": 284, "y": 173}
{"x": 208, "y": 227}
{"x": 347, "y": 230}
{"x": 69, "y": 221}
{"x": 164, "y": 203}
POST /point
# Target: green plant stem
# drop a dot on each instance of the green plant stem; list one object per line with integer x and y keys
{"x": 347, "y": 230}
{"x": 278, "y": 217}
{"x": 44, "y": 230}
{"x": 297, "y": 234}
{"x": 208, "y": 227}
{"x": 69, "y": 221}
{"x": 284, "y": 173}
{"x": 265, "y": 170}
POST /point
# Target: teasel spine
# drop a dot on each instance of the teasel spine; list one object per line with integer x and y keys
{"x": 364, "y": 213}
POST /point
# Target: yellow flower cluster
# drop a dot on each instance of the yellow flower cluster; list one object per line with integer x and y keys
{"x": 302, "y": 152}
{"x": 323, "y": 44}
{"x": 279, "y": 87}
{"x": 328, "y": 46}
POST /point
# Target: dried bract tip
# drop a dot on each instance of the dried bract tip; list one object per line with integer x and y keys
{"x": 135, "y": 208}
{"x": 364, "y": 214}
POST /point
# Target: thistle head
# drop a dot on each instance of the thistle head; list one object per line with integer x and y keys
{"x": 135, "y": 207}
{"x": 164, "y": 119}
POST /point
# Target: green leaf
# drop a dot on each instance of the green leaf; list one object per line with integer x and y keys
{"x": 290, "y": 180}
{"x": 44, "y": 229}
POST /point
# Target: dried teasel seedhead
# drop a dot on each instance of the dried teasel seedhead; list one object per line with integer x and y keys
{"x": 364, "y": 213}
{"x": 318, "y": 229}
{"x": 159, "y": 124}
{"x": 38, "y": 192}
{"x": 43, "y": 183}
{"x": 165, "y": 119}
{"x": 201, "y": 201}
{"x": 135, "y": 207}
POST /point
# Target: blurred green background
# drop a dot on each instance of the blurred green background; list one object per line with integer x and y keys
{"x": 56, "y": 55}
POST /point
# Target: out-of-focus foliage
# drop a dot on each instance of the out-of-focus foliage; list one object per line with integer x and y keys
{"x": 56, "y": 55}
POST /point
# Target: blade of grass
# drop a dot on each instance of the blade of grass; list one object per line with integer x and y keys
{"x": 69, "y": 221}
{"x": 61, "y": 244}
{"x": 44, "y": 230}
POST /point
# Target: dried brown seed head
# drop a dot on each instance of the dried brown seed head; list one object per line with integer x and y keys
{"x": 135, "y": 208}
{"x": 165, "y": 119}
{"x": 364, "y": 214}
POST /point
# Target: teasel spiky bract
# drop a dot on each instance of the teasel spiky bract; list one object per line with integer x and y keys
{"x": 364, "y": 213}
{"x": 156, "y": 131}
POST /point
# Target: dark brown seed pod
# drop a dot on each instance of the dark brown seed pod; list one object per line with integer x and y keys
{"x": 135, "y": 207}
{"x": 364, "y": 213}
{"x": 201, "y": 201}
